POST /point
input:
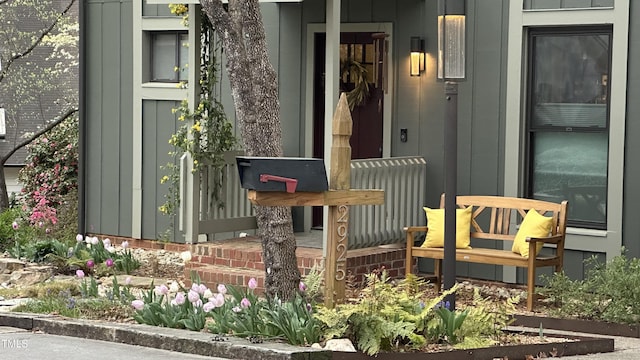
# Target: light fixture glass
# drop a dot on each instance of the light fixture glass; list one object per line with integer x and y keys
{"x": 417, "y": 56}
{"x": 451, "y": 39}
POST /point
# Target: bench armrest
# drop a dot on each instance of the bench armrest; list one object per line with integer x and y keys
{"x": 555, "y": 239}
{"x": 411, "y": 231}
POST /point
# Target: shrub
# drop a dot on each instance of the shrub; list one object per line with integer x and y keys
{"x": 13, "y": 230}
{"x": 50, "y": 173}
{"x": 610, "y": 291}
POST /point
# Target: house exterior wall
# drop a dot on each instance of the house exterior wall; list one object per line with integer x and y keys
{"x": 489, "y": 148}
{"x": 630, "y": 223}
{"x": 108, "y": 114}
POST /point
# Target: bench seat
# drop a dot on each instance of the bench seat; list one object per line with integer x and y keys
{"x": 492, "y": 219}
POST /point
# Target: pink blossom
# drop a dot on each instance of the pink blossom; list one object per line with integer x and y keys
{"x": 208, "y": 307}
{"x": 80, "y": 273}
{"x": 217, "y": 300}
{"x": 179, "y": 299}
{"x": 90, "y": 264}
{"x": 15, "y": 225}
{"x": 161, "y": 290}
{"x": 125, "y": 244}
{"x": 302, "y": 287}
{"x": 253, "y": 283}
{"x": 193, "y": 296}
{"x": 109, "y": 262}
{"x": 245, "y": 303}
{"x": 222, "y": 289}
{"x": 137, "y": 304}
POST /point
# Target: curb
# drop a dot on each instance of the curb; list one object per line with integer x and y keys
{"x": 178, "y": 340}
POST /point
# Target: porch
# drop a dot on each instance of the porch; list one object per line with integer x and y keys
{"x": 220, "y": 254}
{"x": 235, "y": 261}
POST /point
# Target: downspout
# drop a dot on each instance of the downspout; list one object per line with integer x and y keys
{"x": 81, "y": 119}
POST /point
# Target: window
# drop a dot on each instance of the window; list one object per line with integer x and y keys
{"x": 169, "y": 56}
{"x": 568, "y": 120}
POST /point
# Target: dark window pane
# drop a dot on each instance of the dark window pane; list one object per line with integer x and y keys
{"x": 572, "y": 166}
{"x": 164, "y": 57}
{"x": 570, "y": 80}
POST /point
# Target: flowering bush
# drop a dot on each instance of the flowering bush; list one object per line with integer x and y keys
{"x": 50, "y": 173}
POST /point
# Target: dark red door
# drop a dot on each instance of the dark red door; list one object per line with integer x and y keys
{"x": 361, "y": 67}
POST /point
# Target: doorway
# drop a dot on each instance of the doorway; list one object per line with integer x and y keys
{"x": 363, "y": 76}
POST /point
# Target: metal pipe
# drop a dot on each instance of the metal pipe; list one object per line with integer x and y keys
{"x": 451, "y": 177}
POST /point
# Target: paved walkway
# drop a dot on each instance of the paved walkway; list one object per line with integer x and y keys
{"x": 19, "y": 344}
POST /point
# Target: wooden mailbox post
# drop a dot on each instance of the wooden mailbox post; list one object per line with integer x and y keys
{"x": 338, "y": 198}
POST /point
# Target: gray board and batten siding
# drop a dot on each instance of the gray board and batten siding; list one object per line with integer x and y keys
{"x": 108, "y": 113}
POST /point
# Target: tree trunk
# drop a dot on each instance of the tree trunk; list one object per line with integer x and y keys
{"x": 254, "y": 87}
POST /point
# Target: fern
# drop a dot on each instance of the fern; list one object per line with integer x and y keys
{"x": 386, "y": 316}
{"x": 485, "y": 321}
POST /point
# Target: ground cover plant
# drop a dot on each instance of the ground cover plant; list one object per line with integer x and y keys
{"x": 610, "y": 291}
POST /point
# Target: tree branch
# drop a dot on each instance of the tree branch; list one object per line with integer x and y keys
{"x": 35, "y": 42}
{"x": 37, "y": 134}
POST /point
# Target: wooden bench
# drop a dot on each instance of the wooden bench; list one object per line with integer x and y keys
{"x": 491, "y": 219}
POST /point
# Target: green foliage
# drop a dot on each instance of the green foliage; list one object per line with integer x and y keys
{"x": 47, "y": 289}
{"x": 294, "y": 320}
{"x": 386, "y": 316}
{"x": 206, "y": 135}
{"x": 485, "y": 321}
{"x": 65, "y": 303}
{"x": 313, "y": 284}
{"x": 609, "y": 292}
{"x": 450, "y": 322}
{"x": 44, "y": 250}
{"x": 14, "y": 231}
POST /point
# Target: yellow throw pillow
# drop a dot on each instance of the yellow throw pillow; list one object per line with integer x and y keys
{"x": 435, "y": 223}
{"x": 534, "y": 225}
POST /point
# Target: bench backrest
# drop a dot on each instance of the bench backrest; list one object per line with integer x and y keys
{"x": 492, "y": 216}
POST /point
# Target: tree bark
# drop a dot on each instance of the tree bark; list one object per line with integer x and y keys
{"x": 254, "y": 87}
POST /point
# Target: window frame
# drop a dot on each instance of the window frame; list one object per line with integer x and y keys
{"x": 530, "y": 129}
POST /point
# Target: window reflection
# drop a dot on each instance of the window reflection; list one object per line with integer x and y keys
{"x": 568, "y": 121}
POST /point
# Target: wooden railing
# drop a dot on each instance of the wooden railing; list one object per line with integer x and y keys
{"x": 402, "y": 178}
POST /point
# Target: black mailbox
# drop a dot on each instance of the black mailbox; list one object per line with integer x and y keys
{"x": 288, "y": 174}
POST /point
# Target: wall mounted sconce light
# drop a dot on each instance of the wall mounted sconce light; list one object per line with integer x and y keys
{"x": 417, "y": 56}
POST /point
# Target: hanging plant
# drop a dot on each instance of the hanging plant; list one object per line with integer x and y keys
{"x": 358, "y": 74}
{"x": 206, "y": 133}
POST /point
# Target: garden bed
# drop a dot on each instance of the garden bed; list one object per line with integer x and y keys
{"x": 203, "y": 344}
{"x": 565, "y": 346}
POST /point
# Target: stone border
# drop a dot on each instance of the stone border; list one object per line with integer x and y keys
{"x": 201, "y": 343}
{"x": 190, "y": 342}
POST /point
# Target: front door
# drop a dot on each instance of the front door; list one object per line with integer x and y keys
{"x": 363, "y": 78}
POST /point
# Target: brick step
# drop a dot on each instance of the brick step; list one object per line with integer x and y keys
{"x": 247, "y": 253}
{"x": 212, "y": 275}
